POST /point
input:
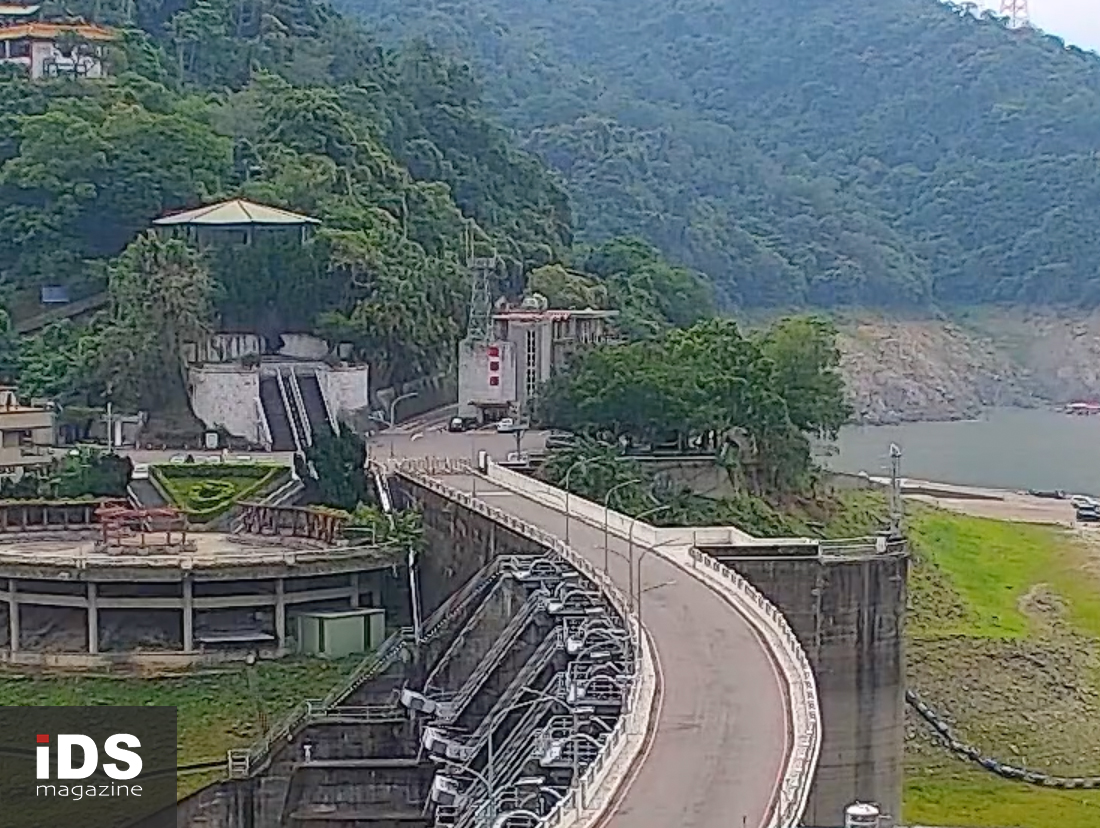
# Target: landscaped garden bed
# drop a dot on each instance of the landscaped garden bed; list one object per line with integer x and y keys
{"x": 205, "y": 492}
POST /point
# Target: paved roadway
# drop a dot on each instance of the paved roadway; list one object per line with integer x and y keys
{"x": 721, "y": 737}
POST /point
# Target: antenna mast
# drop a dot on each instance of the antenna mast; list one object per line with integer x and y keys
{"x": 1017, "y": 13}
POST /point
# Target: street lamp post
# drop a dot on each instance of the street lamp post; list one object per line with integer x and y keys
{"x": 630, "y": 547}
{"x": 606, "y": 509}
{"x": 396, "y": 400}
{"x": 638, "y": 580}
{"x": 582, "y": 462}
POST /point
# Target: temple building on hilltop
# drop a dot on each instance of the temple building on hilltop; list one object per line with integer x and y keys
{"x": 49, "y": 49}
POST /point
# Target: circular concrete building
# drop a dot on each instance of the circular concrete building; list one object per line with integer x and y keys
{"x": 75, "y": 593}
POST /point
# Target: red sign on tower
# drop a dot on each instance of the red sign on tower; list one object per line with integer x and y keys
{"x": 494, "y": 365}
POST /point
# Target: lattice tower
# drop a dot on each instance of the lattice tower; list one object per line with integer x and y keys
{"x": 480, "y": 326}
{"x": 1016, "y": 11}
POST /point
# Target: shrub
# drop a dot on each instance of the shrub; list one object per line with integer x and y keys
{"x": 205, "y": 492}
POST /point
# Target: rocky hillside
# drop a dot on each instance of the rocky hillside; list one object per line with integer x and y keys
{"x": 953, "y": 366}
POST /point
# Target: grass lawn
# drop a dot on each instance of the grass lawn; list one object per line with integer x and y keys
{"x": 1004, "y": 638}
{"x": 216, "y": 710}
{"x": 975, "y": 798}
{"x": 990, "y": 565}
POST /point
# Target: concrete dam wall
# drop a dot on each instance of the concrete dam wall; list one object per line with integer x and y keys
{"x": 848, "y": 612}
{"x": 500, "y": 648}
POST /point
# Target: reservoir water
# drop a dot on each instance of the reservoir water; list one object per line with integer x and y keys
{"x": 1007, "y": 448}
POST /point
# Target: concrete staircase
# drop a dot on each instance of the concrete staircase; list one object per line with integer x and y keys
{"x": 144, "y": 494}
{"x": 314, "y": 400}
{"x": 278, "y": 420}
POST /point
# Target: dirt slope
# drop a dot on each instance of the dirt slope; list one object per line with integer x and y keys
{"x": 951, "y": 367}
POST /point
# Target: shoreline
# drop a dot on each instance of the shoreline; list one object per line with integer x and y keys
{"x": 978, "y": 501}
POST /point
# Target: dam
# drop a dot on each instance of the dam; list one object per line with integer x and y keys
{"x": 550, "y": 662}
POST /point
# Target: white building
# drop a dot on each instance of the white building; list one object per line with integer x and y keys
{"x": 48, "y": 50}
{"x": 529, "y": 345}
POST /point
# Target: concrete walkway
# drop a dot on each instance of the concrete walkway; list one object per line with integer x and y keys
{"x": 722, "y": 734}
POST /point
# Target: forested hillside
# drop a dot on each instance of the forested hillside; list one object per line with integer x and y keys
{"x": 834, "y": 152}
{"x": 287, "y": 103}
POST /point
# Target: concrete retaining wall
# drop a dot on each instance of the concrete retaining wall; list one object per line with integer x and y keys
{"x": 848, "y": 613}
{"x": 226, "y": 397}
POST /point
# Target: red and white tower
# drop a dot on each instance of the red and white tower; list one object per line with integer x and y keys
{"x": 1016, "y": 12}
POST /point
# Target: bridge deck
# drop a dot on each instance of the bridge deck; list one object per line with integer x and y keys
{"x": 722, "y": 733}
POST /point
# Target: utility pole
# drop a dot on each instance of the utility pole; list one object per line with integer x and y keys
{"x": 896, "y": 506}
{"x": 110, "y": 419}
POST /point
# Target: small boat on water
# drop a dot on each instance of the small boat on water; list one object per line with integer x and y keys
{"x": 1082, "y": 409}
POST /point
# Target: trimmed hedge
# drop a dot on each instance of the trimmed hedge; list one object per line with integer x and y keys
{"x": 193, "y": 488}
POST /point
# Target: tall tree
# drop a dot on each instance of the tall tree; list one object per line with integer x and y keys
{"x": 160, "y": 293}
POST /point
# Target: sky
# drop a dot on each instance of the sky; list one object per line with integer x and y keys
{"x": 1075, "y": 21}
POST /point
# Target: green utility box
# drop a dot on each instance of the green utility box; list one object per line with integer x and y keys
{"x": 337, "y": 634}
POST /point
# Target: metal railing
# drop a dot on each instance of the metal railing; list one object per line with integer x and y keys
{"x": 244, "y": 761}
{"x": 483, "y": 610}
{"x": 279, "y": 497}
{"x": 502, "y": 644}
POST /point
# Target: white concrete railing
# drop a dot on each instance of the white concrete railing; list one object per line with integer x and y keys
{"x": 619, "y": 524}
{"x": 585, "y": 803}
{"x": 329, "y": 414}
{"x": 801, "y": 685}
{"x": 264, "y": 426}
{"x": 300, "y": 405}
{"x": 805, "y": 711}
{"x": 285, "y": 397}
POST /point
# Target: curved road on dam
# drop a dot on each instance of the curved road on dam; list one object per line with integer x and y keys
{"x": 722, "y": 734}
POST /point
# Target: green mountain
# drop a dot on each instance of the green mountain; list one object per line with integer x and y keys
{"x": 284, "y": 102}
{"x": 828, "y": 153}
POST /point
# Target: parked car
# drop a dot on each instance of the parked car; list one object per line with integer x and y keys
{"x": 1082, "y": 501}
{"x": 506, "y": 425}
{"x": 560, "y": 439}
{"x": 1055, "y": 494}
{"x": 1088, "y": 514}
{"x": 456, "y": 424}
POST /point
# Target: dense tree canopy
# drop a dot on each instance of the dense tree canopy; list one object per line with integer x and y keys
{"x": 757, "y": 397}
{"x": 828, "y": 153}
{"x": 630, "y": 276}
{"x": 286, "y": 103}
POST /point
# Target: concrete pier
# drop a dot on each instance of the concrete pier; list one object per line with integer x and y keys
{"x": 847, "y": 608}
